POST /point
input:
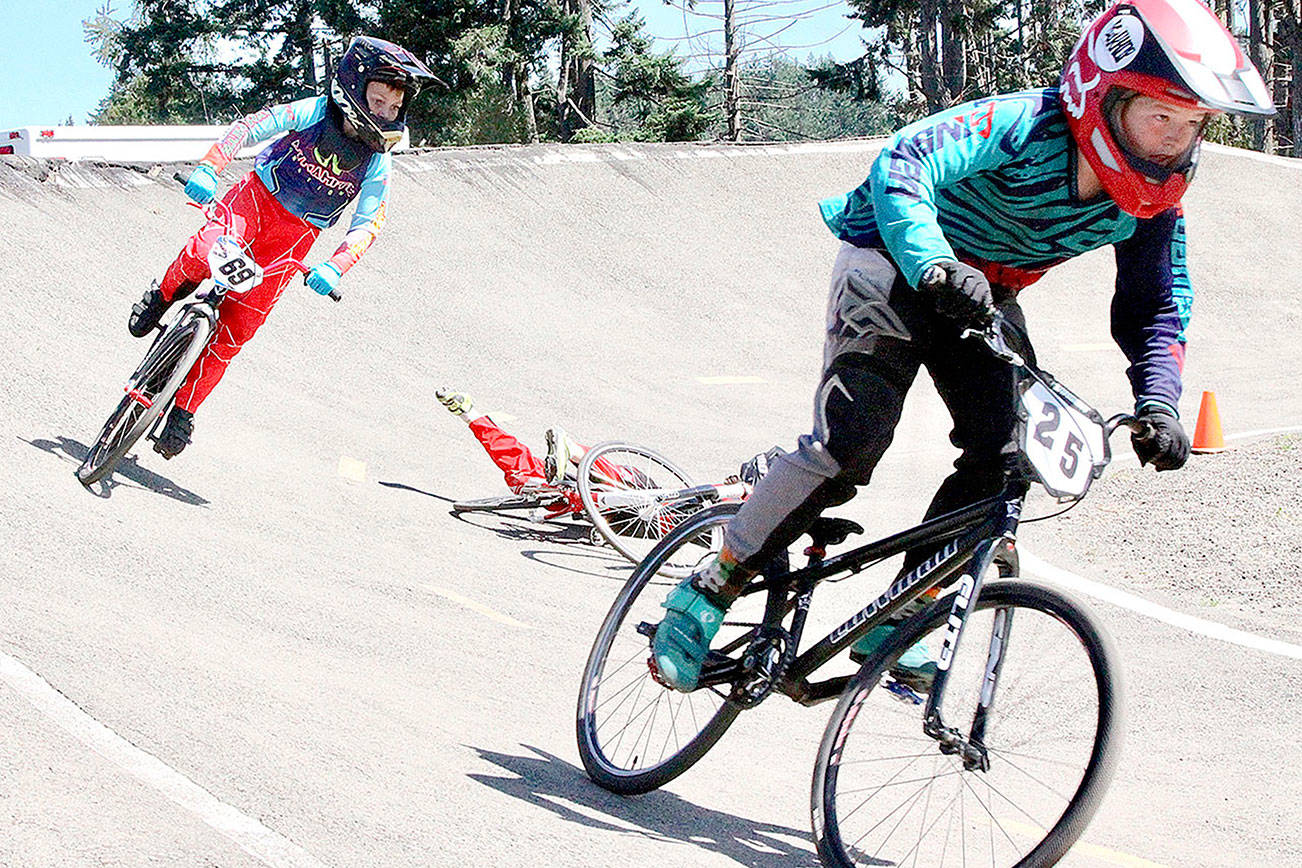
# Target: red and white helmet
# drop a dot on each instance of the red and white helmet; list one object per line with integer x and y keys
{"x": 1173, "y": 50}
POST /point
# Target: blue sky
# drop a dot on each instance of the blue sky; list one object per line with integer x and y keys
{"x": 46, "y": 69}
{"x": 48, "y": 73}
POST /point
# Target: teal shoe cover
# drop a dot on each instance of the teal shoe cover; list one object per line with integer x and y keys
{"x": 683, "y": 638}
{"x": 916, "y": 668}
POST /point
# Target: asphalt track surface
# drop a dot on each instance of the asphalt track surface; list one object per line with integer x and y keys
{"x": 281, "y": 648}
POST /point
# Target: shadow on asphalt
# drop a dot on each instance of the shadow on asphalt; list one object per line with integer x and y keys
{"x": 604, "y": 563}
{"x": 574, "y": 536}
{"x": 549, "y": 782}
{"x": 405, "y": 487}
{"x": 127, "y": 468}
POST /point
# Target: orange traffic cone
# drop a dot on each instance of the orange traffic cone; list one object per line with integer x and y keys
{"x": 1207, "y": 436}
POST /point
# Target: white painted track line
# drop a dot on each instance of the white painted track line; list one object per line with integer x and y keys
{"x": 252, "y": 837}
{"x": 1033, "y": 566}
{"x": 1263, "y": 432}
{"x": 474, "y": 606}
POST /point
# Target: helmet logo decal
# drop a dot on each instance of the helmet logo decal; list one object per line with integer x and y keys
{"x": 1074, "y": 94}
{"x": 1119, "y": 43}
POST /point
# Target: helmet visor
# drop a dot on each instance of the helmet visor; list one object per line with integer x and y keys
{"x": 1205, "y": 57}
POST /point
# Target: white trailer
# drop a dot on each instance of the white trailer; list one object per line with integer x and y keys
{"x": 133, "y": 143}
{"x": 158, "y": 144}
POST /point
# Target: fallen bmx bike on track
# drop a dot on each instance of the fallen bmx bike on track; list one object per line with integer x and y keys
{"x": 632, "y": 495}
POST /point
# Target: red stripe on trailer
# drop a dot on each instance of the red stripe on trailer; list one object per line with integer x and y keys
{"x": 6, "y": 149}
{"x": 16, "y": 134}
{"x": 47, "y": 134}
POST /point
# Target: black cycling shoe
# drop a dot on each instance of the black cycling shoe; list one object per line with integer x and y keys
{"x": 176, "y": 433}
{"x": 146, "y": 313}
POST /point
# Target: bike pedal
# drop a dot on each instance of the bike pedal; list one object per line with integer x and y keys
{"x": 903, "y": 692}
{"x": 655, "y": 673}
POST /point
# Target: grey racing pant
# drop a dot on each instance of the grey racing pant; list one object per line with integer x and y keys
{"x": 880, "y": 331}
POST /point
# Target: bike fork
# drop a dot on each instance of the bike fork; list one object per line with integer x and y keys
{"x": 971, "y": 747}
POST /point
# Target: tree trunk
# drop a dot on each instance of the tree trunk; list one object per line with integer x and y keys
{"x": 515, "y": 74}
{"x": 576, "y": 89}
{"x": 563, "y": 89}
{"x": 929, "y": 73}
{"x": 954, "y": 41}
{"x": 731, "y": 80}
{"x": 1289, "y": 37}
{"x": 1295, "y": 99}
{"x": 911, "y": 62}
{"x": 526, "y": 106}
{"x": 1261, "y": 51}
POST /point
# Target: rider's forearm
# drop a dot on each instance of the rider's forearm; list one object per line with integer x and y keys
{"x": 1151, "y": 308}
{"x": 260, "y": 126}
{"x": 368, "y": 219}
{"x": 356, "y": 243}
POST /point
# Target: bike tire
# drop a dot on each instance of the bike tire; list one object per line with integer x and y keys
{"x": 615, "y": 672}
{"x": 159, "y": 376}
{"x": 1039, "y": 661}
{"x": 632, "y": 532}
{"x": 500, "y": 503}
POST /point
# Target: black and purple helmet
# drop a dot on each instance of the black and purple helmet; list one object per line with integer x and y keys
{"x": 369, "y": 59}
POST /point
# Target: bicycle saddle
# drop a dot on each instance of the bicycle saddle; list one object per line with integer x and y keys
{"x": 827, "y": 531}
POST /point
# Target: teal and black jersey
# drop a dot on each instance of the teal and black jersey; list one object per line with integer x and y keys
{"x": 992, "y": 183}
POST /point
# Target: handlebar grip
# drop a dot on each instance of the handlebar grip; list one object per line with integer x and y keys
{"x": 1142, "y": 429}
{"x": 177, "y": 176}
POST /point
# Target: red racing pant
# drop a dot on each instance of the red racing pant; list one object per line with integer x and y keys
{"x": 520, "y": 467}
{"x": 513, "y": 458}
{"x": 272, "y": 233}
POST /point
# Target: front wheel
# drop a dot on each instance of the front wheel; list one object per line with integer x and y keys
{"x": 631, "y": 495}
{"x": 885, "y": 793}
{"x": 149, "y": 393}
{"x": 635, "y": 734}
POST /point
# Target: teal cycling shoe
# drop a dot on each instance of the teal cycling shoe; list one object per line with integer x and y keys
{"x": 682, "y": 639}
{"x": 915, "y": 669}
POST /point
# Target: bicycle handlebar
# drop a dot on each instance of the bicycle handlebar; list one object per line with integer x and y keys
{"x": 214, "y": 214}
{"x": 992, "y": 335}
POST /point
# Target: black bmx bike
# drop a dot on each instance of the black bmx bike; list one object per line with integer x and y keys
{"x": 1002, "y": 762}
{"x": 152, "y": 387}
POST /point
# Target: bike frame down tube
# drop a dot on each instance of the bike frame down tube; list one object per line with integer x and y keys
{"x": 956, "y": 535}
{"x": 204, "y": 306}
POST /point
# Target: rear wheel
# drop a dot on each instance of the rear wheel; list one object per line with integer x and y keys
{"x": 150, "y": 391}
{"x": 635, "y": 734}
{"x": 500, "y": 503}
{"x": 628, "y": 494}
{"x": 884, "y": 793}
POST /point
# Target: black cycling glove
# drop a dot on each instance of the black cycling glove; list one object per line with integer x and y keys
{"x": 962, "y": 293}
{"x": 1167, "y": 448}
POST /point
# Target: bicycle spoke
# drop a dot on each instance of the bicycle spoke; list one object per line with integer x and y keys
{"x": 1033, "y": 778}
{"x": 888, "y": 805}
